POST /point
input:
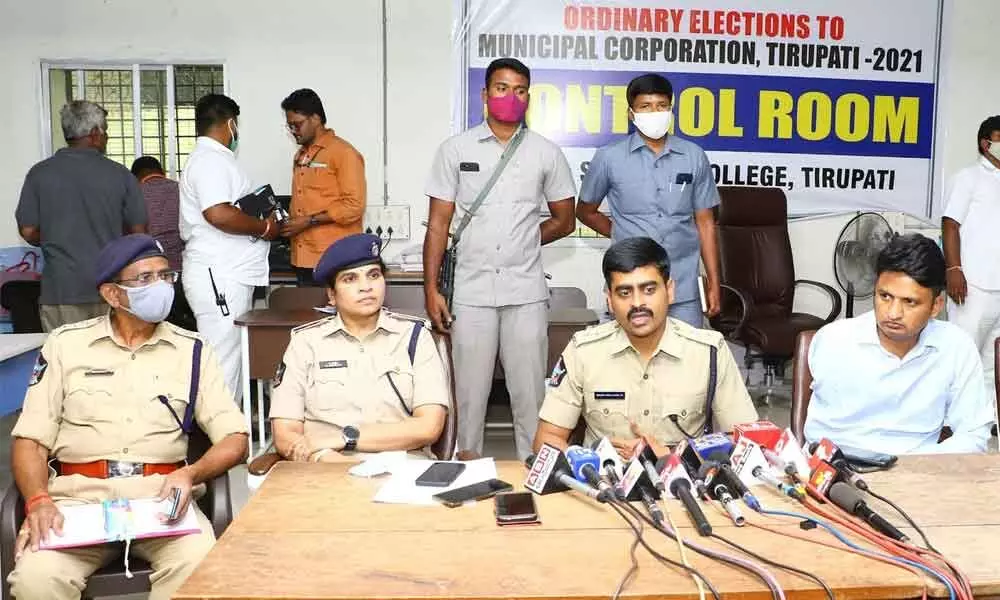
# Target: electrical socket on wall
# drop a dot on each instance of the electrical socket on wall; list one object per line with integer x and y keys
{"x": 396, "y": 216}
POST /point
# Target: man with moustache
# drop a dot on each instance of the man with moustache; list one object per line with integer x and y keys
{"x": 645, "y": 375}
{"x": 891, "y": 379}
{"x": 500, "y": 296}
{"x": 328, "y": 185}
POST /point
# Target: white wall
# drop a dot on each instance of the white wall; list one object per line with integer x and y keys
{"x": 334, "y": 47}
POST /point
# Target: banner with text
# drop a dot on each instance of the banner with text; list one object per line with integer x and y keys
{"x": 831, "y": 100}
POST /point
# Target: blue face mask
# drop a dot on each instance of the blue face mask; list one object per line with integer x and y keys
{"x": 152, "y": 302}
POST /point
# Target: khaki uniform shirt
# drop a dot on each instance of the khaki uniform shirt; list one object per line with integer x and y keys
{"x": 601, "y": 377}
{"x": 329, "y": 379}
{"x": 500, "y": 253}
{"x": 91, "y": 398}
{"x": 328, "y": 176}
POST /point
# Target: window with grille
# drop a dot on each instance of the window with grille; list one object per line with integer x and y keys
{"x": 150, "y": 107}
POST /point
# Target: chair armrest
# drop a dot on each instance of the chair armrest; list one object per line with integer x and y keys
{"x": 11, "y": 517}
{"x": 835, "y": 299}
{"x": 217, "y": 503}
{"x": 744, "y": 308}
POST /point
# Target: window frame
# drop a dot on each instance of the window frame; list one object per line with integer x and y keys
{"x": 135, "y": 67}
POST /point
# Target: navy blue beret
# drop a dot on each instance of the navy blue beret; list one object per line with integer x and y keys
{"x": 347, "y": 253}
{"x": 124, "y": 251}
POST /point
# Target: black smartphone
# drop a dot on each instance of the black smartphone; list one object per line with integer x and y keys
{"x": 515, "y": 508}
{"x": 441, "y": 474}
{"x": 867, "y": 458}
{"x": 476, "y": 491}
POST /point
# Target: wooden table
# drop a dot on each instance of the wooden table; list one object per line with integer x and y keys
{"x": 311, "y": 531}
{"x": 265, "y": 333}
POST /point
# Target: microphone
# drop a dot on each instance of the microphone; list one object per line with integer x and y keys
{"x": 823, "y": 473}
{"x": 849, "y": 499}
{"x": 722, "y": 493}
{"x": 610, "y": 460}
{"x": 767, "y": 477}
{"x": 550, "y": 472}
{"x": 636, "y": 479}
{"x": 647, "y": 458}
{"x": 584, "y": 464}
{"x": 849, "y": 475}
{"x": 765, "y": 433}
{"x": 680, "y": 487}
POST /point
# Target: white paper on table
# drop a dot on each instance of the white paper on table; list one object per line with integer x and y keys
{"x": 401, "y": 488}
{"x": 379, "y": 464}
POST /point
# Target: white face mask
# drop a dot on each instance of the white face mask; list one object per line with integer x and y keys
{"x": 994, "y": 150}
{"x": 152, "y": 302}
{"x": 653, "y": 125}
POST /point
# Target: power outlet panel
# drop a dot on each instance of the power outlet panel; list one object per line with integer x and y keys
{"x": 396, "y": 216}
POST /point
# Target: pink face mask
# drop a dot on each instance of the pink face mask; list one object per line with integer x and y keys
{"x": 508, "y": 109}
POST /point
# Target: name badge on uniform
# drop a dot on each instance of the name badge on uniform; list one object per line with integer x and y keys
{"x": 471, "y": 167}
{"x": 684, "y": 178}
{"x": 317, "y": 165}
{"x": 98, "y": 372}
{"x": 333, "y": 364}
{"x": 609, "y": 395}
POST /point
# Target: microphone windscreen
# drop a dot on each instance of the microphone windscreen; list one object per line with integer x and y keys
{"x": 844, "y": 496}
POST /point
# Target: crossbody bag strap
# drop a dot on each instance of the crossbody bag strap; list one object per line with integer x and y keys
{"x": 193, "y": 391}
{"x": 508, "y": 153}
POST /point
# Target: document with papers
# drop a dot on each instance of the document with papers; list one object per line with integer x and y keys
{"x": 401, "y": 488}
{"x": 86, "y": 524}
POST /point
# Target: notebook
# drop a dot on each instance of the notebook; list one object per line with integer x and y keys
{"x": 85, "y": 525}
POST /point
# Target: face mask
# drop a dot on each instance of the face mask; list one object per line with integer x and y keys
{"x": 234, "y": 132}
{"x": 994, "y": 150}
{"x": 653, "y": 125}
{"x": 152, "y": 302}
{"x": 507, "y": 109}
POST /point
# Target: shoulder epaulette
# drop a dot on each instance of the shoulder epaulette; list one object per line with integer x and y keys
{"x": 594, "y": 333}
{"x": 312, "y": 324}
{"x": 77, "y": 326}
{"x": 410, "y": 318}
{"x": 708, "y": 337}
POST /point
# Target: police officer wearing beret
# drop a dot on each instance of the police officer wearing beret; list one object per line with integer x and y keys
{"x": 110, "y": 401}
{"x": 365, "y": 380}
{"x": 643, "y": 376}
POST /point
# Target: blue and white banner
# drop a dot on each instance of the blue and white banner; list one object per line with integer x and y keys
{"x": 833, "y": 100}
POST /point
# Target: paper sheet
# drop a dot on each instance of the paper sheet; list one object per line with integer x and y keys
{"x": 84, "y": 523}
{"x": 379, "y": 464}
{"x": 402, "y": 489}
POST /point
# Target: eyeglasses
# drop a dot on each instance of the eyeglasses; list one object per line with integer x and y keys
{"x": 296, "y": 125}
{"x": 150, "y": 277}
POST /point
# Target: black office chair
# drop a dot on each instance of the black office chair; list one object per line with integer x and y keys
{"x": 110, "y": 580}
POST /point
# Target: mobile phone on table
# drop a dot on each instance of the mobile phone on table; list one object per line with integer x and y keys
{"x": 469, "y": 493}
{"x": 515, "y": 508}
{"x": 867, "y": 458}
{"x": 441, "y": 474}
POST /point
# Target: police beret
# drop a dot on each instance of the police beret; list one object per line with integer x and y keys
{"x": 347, "y": 253}
{"x": 124, "y": 251}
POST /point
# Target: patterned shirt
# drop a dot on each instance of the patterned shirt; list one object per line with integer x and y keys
{"x": 163, "y": 198}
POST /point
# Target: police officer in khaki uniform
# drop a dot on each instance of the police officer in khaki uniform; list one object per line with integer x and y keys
{"x": 109, "y": 402}
{"x": 365, "y": 380}
{"x": 643, "y": 375}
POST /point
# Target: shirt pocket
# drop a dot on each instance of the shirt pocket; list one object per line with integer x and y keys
{"x": 166, "y": 410}
{"x": 470, "y": 183}
{"x": 608, "y": 417}
{"x": 331, "y": 398}
{"x": 687, "y": 409}
{"x": 90, "y": 400}
{"x": 394, "y": 407}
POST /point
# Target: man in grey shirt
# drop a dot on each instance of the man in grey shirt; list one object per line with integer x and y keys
{"x": 72, "y": 204}
{"x": 500, "y": 296}
{"x": 660, "y": 187}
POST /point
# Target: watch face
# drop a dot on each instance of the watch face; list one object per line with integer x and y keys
{"x": 351, "y": 432}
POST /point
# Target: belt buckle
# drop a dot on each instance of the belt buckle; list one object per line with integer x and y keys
{"x": 120, "y": 468}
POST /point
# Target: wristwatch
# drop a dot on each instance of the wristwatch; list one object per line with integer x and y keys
{"x": 351, "y": 435}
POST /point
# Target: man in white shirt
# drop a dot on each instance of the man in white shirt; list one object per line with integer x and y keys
{"x": 225, "y": 252}
{"x": 972, "y": 248}
{"x": 890, "y": 380}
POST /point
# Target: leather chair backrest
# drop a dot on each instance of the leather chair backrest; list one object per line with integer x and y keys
{"x": 444, "y": 447}
{"x": 801, "y": 384}
{"x": 567, "y": 297}
{"x": 20, "y": 297}
{"x": 296, "y": 298}
{"x": 754, "y": 247}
